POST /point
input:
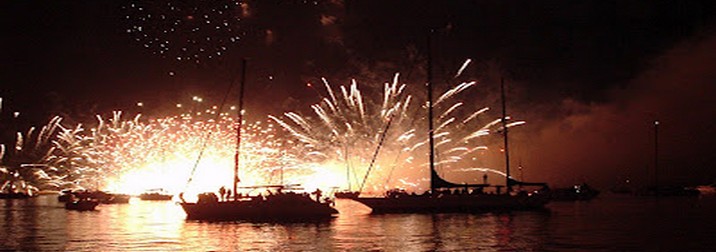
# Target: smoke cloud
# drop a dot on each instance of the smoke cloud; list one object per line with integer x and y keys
{"x": 611, "y": 142}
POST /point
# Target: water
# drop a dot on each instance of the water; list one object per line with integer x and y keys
{"x": 609, "y": 223}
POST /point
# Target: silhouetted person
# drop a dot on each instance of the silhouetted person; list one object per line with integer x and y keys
{"x": 222, "y": 193}
{"x": 318, "y": 194}
{"x": 484, "y": 178}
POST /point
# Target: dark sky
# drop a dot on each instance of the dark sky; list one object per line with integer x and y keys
{"x": 588, "y": 76}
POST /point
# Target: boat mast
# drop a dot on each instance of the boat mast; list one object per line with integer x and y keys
{"x": 238, "y": 127}
{"x": 348, "y": 168}
{"x": 504, "y": 135}
{"x": 431, "y": 141}
{"x": 656, "y": 157}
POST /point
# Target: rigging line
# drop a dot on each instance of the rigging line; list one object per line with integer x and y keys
{"x": 375, "y": 154}
{"x": 395, "y": 161}
{"x": 208, "y": 134}
{"x": 390, "y": 174}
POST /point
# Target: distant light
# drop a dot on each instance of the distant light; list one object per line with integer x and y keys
{"x": 171, "y": 73}
{"x": 178, "y": 105}
{"x": 656, "y": 122}
{"x": 16, "y": 114}
{"x": 140, "y": 104}
{"x": 233, "y": 108}
{"x": 270, "y": 77}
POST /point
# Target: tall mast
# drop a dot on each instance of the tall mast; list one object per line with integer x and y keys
{"x": 504, "y": 135}
{"x": 656, "y": 157}
{"x": 238, "y": 127}
{"x": 431, "y": 141}
{"x": 348, "y": 168}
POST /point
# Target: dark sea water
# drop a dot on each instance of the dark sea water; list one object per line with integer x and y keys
{"x": 608, "y": 223}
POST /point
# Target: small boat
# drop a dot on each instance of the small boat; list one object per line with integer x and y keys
{"x": 707, "y": 189}
{"x": 581, "y": 192}
{"x": 82, "y": 204}
{"x": 156, "y": 194}
{"x": 346, "y": 194}
{"x": 68, "y": 195}
{"x": 65, "y": 195}
{"x": 102, "y": 197}
{"x": 116, "y": 198}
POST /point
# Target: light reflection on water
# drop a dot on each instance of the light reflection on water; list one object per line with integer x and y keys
{"x": 603, "y": 224}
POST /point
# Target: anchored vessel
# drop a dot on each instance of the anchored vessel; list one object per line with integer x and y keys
{"x": 443, "y": 197}
{"x": 581, "y": 192}
{"x": 156, "y": 194}
{"x": 68, "y": 195}
{"x": 81, "y": 204}
{"x": 281, "y": 203}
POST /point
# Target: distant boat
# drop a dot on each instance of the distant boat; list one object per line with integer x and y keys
{"x": 156, "y": 194}
{"x": 707, "y": 189}
{"x": 582, "y": 192}
{"x": 280, "y": 204}
{"x": 347, "y": 194}
{"x": 445, "y": 196}
{"x": 116, "y": 198}
{"x": 65, "y": 195}
{"x": 660, "y": 190}
{"x": 81, "y": 204}
{"x": 102, "y": 197}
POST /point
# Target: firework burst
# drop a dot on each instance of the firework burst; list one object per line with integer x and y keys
{"x": 191, "y": 31}
{"x": 23, "y": 168}
{"x": 345, "y": 128}
{"x": 177, "y": 153}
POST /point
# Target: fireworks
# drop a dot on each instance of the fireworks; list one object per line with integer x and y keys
{"x": 186, "y": 31}
{"x": 345, "y": 128}
{"x": 24, "y": 167}
{"x": 133, "y": 155}
{"x": 192, "y": 150}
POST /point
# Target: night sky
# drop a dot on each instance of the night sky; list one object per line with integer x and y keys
{"x": 589, "y": 77}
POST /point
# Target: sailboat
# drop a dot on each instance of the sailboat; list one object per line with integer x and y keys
{"x": 442, "y": 198}
{"x": 347, "y": 193}
{"x": 281, "y": 203}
